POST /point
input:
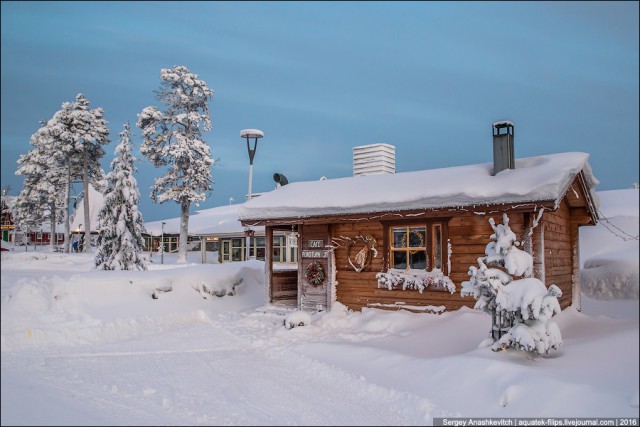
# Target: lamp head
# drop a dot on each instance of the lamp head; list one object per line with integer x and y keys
{"x": 251, "y": 133}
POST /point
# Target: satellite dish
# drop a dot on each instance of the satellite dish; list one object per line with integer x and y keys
{"x": 280, "y": 179}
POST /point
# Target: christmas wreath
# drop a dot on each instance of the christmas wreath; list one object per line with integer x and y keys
{"x": 314, "y": 274}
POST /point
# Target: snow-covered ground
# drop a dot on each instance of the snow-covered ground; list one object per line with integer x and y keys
{"x": 609, "y": 251}
{"x": 87, "y": 347}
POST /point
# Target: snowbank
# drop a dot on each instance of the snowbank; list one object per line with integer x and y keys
{"x": 95, "y": 306}
{"x": 609, "y": 252}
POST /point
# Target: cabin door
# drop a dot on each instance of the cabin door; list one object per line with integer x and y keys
{"x": 314, "y": 272}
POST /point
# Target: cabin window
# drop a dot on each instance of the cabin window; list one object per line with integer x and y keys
{"x": 408, "y": 248}
{"x": 415, "y": 258}
{"x": 416, "y": 246}
{"x": 436, "y": 244}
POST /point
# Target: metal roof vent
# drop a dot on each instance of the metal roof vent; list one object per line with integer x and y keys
{"x": 503, "y": 155}
{"x": 280, "y": 179}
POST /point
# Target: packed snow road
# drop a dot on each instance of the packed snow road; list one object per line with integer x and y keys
{"x": 202, "y": 374}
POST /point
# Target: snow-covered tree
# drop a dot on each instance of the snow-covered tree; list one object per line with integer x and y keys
{"x": 173, "y": 138}
{"x": 40, "y": 199}
{"x": 120, "y": 241}
{"x": 521, "y": 309}
{"x": 76, "y": 134}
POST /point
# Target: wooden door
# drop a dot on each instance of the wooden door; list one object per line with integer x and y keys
{"x": 313, "y": 245}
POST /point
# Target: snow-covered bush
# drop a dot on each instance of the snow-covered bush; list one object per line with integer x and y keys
{"x": 521, "y": 309}
{"x": 296, "y": 318}
{"x": 415, "y": 279}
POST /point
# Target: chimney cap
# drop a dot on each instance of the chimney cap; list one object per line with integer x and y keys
{"x": 502, "y": 124}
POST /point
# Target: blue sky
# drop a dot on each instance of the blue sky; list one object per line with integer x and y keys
{"x": 322, "y": 77}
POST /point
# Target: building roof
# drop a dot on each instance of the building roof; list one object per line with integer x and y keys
{"x": 96, "y": 202}
{"x": 535, "y": 179}
{"x": 219, "y": 221}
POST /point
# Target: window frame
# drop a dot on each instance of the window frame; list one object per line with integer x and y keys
{"x": 430, "y": 225}
{"x": 408, "y": 250}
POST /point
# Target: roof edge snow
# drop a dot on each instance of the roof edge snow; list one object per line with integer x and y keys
{"x": 535, "y": 179}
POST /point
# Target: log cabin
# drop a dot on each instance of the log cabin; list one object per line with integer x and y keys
{"x": 407, "y": 240}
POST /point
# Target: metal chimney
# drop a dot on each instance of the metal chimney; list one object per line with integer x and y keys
{"x": 503, "y": 156}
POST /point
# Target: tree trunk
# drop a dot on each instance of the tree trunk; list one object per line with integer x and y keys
{"x": 67, "y": 193}
{"x": 52, "y": 235}
{"x": 184, "y": 225}
{"x": 85, "y": 187}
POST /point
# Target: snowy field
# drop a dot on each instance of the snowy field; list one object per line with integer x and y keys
{"x": 87, "y": 347}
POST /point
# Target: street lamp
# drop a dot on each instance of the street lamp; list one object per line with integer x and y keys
{"x": 78, "y": 237}
{"x": 162, "y": 245}
{"x": 248, "y": 134}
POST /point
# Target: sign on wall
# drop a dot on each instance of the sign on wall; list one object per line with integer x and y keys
{"x": 315, "y": 243}
{"x": 315, "y": 254}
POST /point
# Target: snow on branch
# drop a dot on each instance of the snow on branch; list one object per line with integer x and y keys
{"x": 415, "y": 279}
{"x": 521, "y": 309}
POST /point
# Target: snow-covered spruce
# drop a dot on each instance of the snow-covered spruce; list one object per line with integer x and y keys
{"x": 296, "y": 318}
{"x": 521, "y": 309}
{"x": 173, "y": 138}
{"x": 120, "y": 242}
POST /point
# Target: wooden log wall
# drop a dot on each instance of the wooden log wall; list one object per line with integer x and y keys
{"x": 356, "y": 290}
{"x": 284, "y": 285}
{"x": 468, "y": 235}
{"x": 558, "y": 251}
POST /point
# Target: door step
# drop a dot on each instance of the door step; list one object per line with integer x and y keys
{"x": 279, "y": 309}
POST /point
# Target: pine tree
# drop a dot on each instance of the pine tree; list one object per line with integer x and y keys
{"x": 75, "y": 138}
{"x": 173, "y": 138}
{"x": 521, "y": 309}
{"x": 40, "y": 199}
{"x": 120, "y": 242}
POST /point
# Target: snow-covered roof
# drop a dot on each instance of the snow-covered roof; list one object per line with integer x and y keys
{"x": 10, "y": 201}
{"x": 215, "y": 221}
{"x": 96, "y": 202}
{"x": 543, "y": 178}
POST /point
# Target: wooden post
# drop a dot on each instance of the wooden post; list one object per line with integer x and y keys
{"x": 538, "y": 252}
{"x": 575, "y": 273}
{"x": 268, "y": 262}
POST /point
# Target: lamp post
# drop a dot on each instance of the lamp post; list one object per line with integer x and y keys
{"x": 78, "y": 237}
{"x": 162, "y": 245}
{"x": 249, "y": 134}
